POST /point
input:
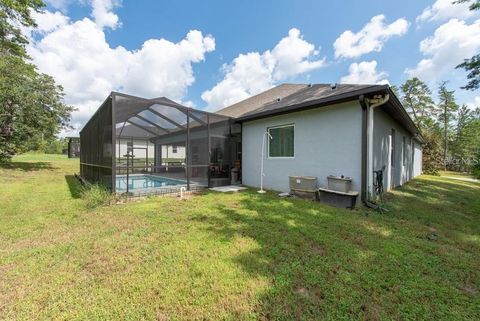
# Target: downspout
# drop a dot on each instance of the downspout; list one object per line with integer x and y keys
{"x": 368, "y": 106}
{"x": 363, "y": 188}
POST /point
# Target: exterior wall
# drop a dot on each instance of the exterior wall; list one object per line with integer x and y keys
{"x": 403, "y": 170}
{"x": 327, "y": 141}
{"x": 417, "y": 162}
{"x": 168, "y": 150}
{"x": 122, "y": 147}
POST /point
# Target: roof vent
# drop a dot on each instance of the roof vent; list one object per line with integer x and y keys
{"x": 279, "y": 99}
{"x": 333, "y": 86}
{"x": 309, "y": 85}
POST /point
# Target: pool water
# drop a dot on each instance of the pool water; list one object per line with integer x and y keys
{"x": 137, "y": 182}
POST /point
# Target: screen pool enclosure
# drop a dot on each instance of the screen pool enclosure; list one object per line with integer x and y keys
{"x": 154, "y": 146}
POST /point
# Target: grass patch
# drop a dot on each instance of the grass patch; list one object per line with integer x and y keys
{"x": 240, "y": 256}
{"x": 455, "y": 174}
{"x": 96, "y": 195}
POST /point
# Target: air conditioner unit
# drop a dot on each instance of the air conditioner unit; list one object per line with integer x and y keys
{"x": 303, "y": 184}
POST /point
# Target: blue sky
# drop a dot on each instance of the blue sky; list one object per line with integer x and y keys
{"x": 83, "y": 44}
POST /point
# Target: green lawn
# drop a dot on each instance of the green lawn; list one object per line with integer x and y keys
{"x": 239, "y": 256}
{"x": 455, "y": 174}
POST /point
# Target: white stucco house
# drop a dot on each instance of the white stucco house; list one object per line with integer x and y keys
{"x": 308, "y": 130}
{"x": 322, "y": 129}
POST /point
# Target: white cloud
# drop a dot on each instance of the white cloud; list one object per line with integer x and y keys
{"x": 364, "y": 72}
{"x": 103, "y": 15}
{"x": 293, "y": 56}
{"x": 370, "y": 38}
{"x": 450, "y": 44}
{"x": 253, "y": 72}
{"x": 475, "y": 103}
{"x": 102, "y": 10}
{"x": 48, "y": 21}
{"x": 78, "y": 56}
{"x": 248, "y": 75}
{"x": 59, "y": 4}
{"x": 445, "y": 9}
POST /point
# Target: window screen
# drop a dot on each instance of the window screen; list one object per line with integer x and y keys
{"x": 281, "y": 142}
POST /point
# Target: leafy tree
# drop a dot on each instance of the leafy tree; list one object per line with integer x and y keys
{"x": 471, "y": 140}
{"x": 476, "y": 166}
{"x": 476, "y": 113}
{"x": 56, "y": 146}
{"x": 460, "y": 145}
{"x": 447, "y": 109}
{"x": 395, "y": 90}
{"x": 474, "y": 135}
{"x": 31, "y": 104}
{"x": 417, "y": 98}
{"x": 472, "y": 65}
{"x": 448, "y": 130}
{"x": 32, "y": 107}
{"x": 432, "y": 152}
{"x": 12, "y": 41}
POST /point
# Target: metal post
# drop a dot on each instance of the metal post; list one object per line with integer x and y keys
{"x": 129, "y": 156}
{"x": 114, "y": 142}
{"x": 146, "y": 161}
{"x": 128, "y": 167}
{"x": 187, "y": 145}
{"x": 209, "y": 150}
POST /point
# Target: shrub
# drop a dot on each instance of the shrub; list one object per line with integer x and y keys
{"x": 97, "y": 195}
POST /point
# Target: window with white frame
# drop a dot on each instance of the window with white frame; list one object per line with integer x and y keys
{"x": 281, "y": 141}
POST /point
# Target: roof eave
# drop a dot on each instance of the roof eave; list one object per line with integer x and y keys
{"x": 350, "y": 96}
{"x": 410, "y": 125}
{"x": 353, "y": 95}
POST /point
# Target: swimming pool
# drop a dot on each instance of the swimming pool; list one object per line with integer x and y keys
{"x": 142, "y": 182}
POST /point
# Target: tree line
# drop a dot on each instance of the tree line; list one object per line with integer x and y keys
{"x": 32, "y": 109}
{"x": 451, "y": 131}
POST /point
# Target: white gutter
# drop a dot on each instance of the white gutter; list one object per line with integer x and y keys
{"x": 372, "y": 103}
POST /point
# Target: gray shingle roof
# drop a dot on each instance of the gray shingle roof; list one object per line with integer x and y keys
{"x": 302, "y": 96}
{"x": 254, "y": 102}
{"x": 287, "y": 95}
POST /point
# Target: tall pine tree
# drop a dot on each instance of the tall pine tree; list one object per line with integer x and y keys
{"x": 447, "y": 115}
{"x": 417, "y": 98}
{"x": 461, "y": 142}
